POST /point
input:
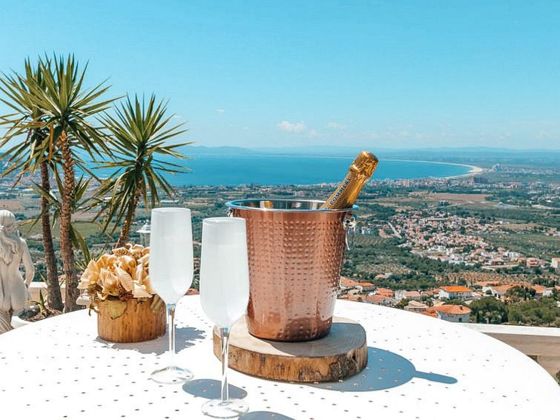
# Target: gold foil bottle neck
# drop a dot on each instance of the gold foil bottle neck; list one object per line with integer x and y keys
{"x": 348, "y": 190}
{"x": 364, "y": 164}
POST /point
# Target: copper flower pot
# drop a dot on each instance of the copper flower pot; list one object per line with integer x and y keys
{"x": 295, "y": 256}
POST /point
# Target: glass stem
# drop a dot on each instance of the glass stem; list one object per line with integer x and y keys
{"x": 171, "y": 326}
{"x": 224, "y": 333}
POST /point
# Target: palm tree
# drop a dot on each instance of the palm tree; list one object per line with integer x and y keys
{"x": 81, "y": 201}
{"x": 68, "y": 107}
{"x": 27, "y": 154}
{"x": 139, "y": 134}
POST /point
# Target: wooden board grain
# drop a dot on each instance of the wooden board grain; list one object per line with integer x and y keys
{"x": 341, "y": 354}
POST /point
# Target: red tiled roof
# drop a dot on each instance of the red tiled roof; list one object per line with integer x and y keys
{"x": 384, "y": 292}
{"x": 456, "y": 289}
{"x": 376, "y": 299}
{"x": 347, "y": 282}
{"x": 430, "y": 312}
{"x": 355, "y": 298}
{"x": 450, "y": 309}
{"x": 415, "y": 304}
{"x": 539, "y": 288}
{"x": 502, "y": 288}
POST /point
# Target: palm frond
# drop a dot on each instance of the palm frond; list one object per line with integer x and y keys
{"x": 67, "y": 106}
{"x": 140, "y": 132}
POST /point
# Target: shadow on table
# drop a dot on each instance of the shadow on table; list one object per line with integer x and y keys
{"x": 385, "y": 370}
{"x": 211, "y": 389}
{"x": 184, "y": 337}
{"x": 264, "y": 415}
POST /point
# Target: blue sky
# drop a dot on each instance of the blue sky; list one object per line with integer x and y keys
{"x": 386, "y": 74}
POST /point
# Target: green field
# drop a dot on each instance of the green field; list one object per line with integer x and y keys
{"x": 532, "y": 244}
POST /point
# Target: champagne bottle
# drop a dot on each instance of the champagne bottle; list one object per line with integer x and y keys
{"x": 358, "y": 174}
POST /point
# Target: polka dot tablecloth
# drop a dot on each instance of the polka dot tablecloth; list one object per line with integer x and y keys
{"x": 419, "y": 368}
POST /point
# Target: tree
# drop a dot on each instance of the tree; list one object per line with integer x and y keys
{"x": 534, "y": 312}
{"x": 139, "y": 134}
{"x": 26, "y": 155}
{"x": 455, "y": 302}
{"x": 80, "y": 201}
{"x": 538, "y": 271}
{"x": 488, "y": 310}
{"x": 518, "y": 293}
{"x": 67, "y": 107}
{"x": 402, "y": 303}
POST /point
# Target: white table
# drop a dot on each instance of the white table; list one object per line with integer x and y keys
{"x": 419, "y": 368}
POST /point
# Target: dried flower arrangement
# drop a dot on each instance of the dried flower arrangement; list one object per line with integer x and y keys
{"x": 118, "y": 277}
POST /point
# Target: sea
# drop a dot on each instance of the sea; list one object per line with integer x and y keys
{"x": 299, "y": 170}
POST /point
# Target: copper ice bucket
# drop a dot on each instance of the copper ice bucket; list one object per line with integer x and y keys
{"x": 295, "y": 256}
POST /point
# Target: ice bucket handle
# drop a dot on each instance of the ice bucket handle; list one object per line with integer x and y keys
{"x": 349, "y": 224}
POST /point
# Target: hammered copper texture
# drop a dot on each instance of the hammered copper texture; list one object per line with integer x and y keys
{"x": 294, "y": 266}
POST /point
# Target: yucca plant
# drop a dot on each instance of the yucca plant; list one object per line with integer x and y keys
{"x": 140, "y": 133}
{"x": 67, "y": 107}
{"x": 80, "y": 202}
{"x": 24, "y": 140}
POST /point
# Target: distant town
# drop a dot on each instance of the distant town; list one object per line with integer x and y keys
{"x": 479, "y": 248}
{"x": 483, "y": 248}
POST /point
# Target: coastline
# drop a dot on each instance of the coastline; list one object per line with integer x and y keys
{"x": 277, "y": 171}
{"x": 275, "y": 174}
{"x": 473, "y": 170}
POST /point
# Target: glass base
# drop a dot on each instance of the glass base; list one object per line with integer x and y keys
{"x": 225, "y": 409}
{"x": 171, "y": 375}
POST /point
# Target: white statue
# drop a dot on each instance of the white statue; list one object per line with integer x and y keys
{"x": 13, "y": 252}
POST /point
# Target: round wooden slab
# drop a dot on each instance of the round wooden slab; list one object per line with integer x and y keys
{"x": 342, "y": 353}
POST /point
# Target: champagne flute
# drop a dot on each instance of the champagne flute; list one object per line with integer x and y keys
{"x": 171, "y": 275}
{"x": 224, "y": 294}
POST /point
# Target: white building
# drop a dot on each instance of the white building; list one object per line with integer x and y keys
{"x": 451, "y": 313}
{"x": 406, "y": 294}
{"x": 455, "y": 292}
{"x": 414, "y": 306}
